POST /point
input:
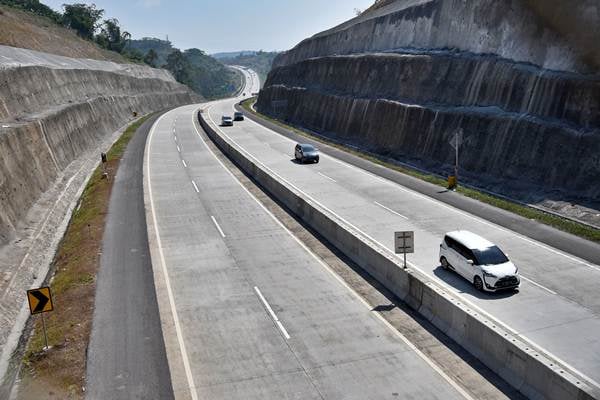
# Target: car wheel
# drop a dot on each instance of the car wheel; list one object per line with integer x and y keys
{"x": 316, "y": 161}
{"x": 478, "y": 283}
{"x": 444, "y": 263}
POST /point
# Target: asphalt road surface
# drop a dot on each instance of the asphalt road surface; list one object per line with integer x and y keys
{"x": 557, "y": 308}
{"x": 126, "y": 354}
{"x": 256, "y": 314}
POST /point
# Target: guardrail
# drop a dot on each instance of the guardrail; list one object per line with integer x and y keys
{"x": 522, "y": 365}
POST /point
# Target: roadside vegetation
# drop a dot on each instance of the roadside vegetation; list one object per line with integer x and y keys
{"x": 564, "y": 224}
{"x": 193, "y": 67}
{"x": 60, "y": 371}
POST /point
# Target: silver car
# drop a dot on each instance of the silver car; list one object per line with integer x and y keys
{"x": 226, "y": 121}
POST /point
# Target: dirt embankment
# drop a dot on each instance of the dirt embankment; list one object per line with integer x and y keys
{"x": 29, "y": 31}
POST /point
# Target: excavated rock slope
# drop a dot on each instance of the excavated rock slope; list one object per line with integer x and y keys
{"x": 54, "y": 109}
{"x": 402, "y": 78}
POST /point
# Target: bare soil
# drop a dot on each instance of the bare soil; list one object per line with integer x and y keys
{"x": 29, "y": 31}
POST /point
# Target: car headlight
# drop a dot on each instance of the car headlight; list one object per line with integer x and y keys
{"x": 488, "y": 275}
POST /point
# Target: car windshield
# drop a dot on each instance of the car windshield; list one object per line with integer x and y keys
{"x": 490, "y": 256}
{"x": 308, "y": 148}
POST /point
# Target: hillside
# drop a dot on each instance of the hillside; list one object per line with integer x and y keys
{"x": 403, "y": 77}
{"x": 26, "y": 30}
{"x": 204, "y": 74}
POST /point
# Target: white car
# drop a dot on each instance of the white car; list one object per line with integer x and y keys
{"x": 479, "y": 261}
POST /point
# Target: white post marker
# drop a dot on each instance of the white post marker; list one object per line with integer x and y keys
{"x": 404, "y": 243}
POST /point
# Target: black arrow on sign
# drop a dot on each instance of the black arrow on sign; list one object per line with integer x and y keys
{"x": 43, "y": 300}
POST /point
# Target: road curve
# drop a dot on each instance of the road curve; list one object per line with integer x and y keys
{"x": 255, "y": 314}
{"x": 557, "y": 308}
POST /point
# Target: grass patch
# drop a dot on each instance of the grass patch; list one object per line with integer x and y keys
{"x": 564, "y": 224}
{"x": 60, "y": 371}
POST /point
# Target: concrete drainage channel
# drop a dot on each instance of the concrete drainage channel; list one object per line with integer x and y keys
{"x": 519, "y": 363}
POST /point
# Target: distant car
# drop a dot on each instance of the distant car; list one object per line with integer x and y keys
{"x": 479, "y": 261}
{"x": 306, "y": 153}
{"x": 238, "y": 116}
{"x": 226, "y": 121}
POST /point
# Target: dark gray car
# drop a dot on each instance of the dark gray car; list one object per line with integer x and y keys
{"x": 306, "y": 153}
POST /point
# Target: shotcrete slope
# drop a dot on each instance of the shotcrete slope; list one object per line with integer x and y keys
{"x": 53, "y": 109}
{"x": 56, "y": 115}
{"x": 402, "y": 78}
{"x": 512, "y": 29}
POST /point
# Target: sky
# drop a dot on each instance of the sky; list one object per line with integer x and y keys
{"x": 226, "y": 25}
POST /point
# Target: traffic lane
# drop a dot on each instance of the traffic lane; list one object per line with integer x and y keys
{"x": 126, "y": 355}
{"x": 228, "y": 336}
{"x": 280, "y": 265}
{"x": 261, "y": 254}
{"x": 564, "y": 241}
{"x": 540, "y": 264}
{"x": 307, "y": 298}
{"x": 519, "y": 313}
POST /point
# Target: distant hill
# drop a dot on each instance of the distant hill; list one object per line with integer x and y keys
{"x": 233, "y": 54}
{"x": 203, "y": 73}
{"x": 259, "y": 61}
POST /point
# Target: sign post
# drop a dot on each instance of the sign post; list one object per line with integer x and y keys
{"x": 104, "y": 159}
{"x": 404, "y": 243}
{"x": 40, "y": 302}
{"x": 455, "y": 142}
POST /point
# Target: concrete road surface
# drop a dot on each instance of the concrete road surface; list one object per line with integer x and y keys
{"x": 557, "y": 308}
{"x": 255, "y": 314}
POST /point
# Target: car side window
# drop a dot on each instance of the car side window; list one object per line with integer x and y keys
{"x": 462, "y": 250}
{"x": 450, "y": 242}
{"x": 470, "y": 256}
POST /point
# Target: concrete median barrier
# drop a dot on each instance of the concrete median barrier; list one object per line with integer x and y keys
{"x": 525, "y": 367}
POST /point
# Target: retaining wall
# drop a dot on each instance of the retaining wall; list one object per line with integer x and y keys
{"x": 519, "y": 363}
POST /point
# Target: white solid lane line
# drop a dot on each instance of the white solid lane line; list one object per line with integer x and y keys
{"x": 273, "y": 315}
{"x": 390, "y": 210}
{"x": 184, "y": 355}
{"x": 196, "y": 187}
{"x": 214, "y": 220}
{"x": 184, "y": 163}
{"x": 538, "y": 285}
{"x": 326, "y": 177}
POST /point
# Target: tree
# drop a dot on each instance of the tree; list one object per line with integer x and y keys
{"x": 82, "y": 18}
{"x": 180, "y": 67}
{"x": 151, "y": 57}
{"x": 111, "y": 37}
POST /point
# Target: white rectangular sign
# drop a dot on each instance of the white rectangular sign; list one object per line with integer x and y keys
{"x": 404, "y": 242}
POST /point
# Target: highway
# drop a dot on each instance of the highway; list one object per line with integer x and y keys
{"x": 557, "y": 308}
{"x": 248, "y": 311}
